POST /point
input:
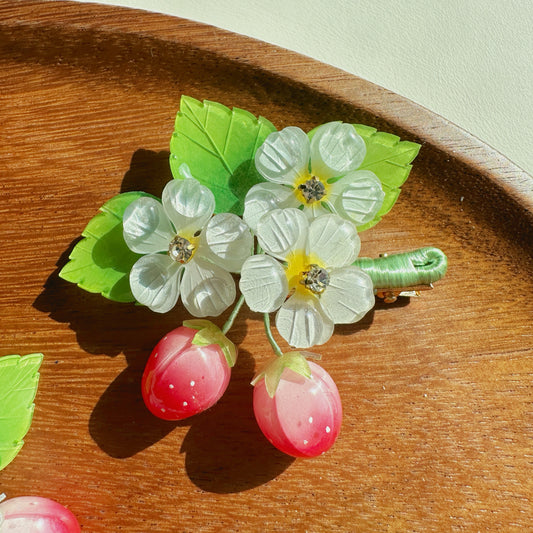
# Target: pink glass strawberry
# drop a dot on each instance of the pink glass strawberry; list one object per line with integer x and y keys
{"x": 32, "y": 514}
{"x": 188, "y": 371}
{"x": 297, "y": 406}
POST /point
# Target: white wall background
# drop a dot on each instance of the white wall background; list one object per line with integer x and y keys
{"x": 467, "y": 60}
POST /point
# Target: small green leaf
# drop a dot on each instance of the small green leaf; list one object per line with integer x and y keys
{"x": 218, "y": 144}
{"x": 209, "y": 333}
{"x": 19, "y": 378}
{"x": 101, "y": 261}
{"x": 389, "y": 158}
{"x": 274, "y": 368}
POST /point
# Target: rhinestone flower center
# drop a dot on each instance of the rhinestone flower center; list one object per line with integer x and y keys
{"x": 316, "y": 279}
{"x": 312, "y": 190}
{"x": 181, "y": 250}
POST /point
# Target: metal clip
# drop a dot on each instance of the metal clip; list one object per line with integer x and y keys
{"x": 391, "y": 295}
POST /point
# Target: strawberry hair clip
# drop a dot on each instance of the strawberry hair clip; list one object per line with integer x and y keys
{"x": 266, "y": 218}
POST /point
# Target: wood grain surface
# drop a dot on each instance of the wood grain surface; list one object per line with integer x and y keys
{"x": 437, "y": 391}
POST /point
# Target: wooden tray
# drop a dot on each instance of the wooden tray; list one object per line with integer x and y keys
{"x": 437, "y": 432}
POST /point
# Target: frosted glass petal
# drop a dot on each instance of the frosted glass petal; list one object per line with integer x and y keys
{"x": 265, "y": 197}
{"x": 336, "y": 148}
{"x": 302, "y": 323}
{"x": 188, "y": 204}
{"x": 315, "y": 210}
{"x": 349, "y": 295}
{"x": 263, "y": 283}
{"x": 358, "y": 196}
{"x": 334, "y": 240}
{"x": 282, "y": 231}
{"x": 206, "y": 289}
{"x": 228, "y": 241}
{"x": 155, "y": 282}
{"x": 146, "y": 226}
{"x": 283, "y": 156}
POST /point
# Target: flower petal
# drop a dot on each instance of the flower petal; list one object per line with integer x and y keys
{"x": 265, "y": 197}
{"x": 283, "y": 156}
{"x": 263, "y": 283}
{"x": 336, "y": 148}
{"x": 333, "y": 240}
{"x": 357, "y": 196}
{"x": 302, "y": 323}
{"x": 227, "y": 241}
{"x": 282, "y": 231}
{"x": 315, "y": 210}
{"x": 188, "y": 204}
{"x": 146, "y": 226}
{"x": 349, "y": 295}
{"x": 155, "y": 282}
{"x": 206, "y": 289}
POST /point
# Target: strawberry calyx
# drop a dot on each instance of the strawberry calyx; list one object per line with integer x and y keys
{"x": 208, "y": 333}
{"x": 273, "y": 369}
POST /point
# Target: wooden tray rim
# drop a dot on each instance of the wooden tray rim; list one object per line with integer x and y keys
{"x": 422, "y": 124}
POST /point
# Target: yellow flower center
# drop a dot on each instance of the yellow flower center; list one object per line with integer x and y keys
{"x": 306, "y": 273}
{"x": 182, "y": 249}
{"x": 309, "y": 189}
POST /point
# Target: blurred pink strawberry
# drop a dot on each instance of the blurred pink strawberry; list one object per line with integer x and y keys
{"x": 33, "y": 514}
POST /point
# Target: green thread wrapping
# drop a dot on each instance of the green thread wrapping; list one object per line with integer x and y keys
{"x": 419, "y": 267}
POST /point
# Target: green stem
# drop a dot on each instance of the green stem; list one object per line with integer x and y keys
{"x": 271, "y": 340}
{"x": 231, "y": 319}
{"x": 266, "y": 320}
{"x": 229, "y": 322}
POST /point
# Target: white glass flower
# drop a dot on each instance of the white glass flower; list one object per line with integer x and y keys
{"x": 188, "y": 251}
{"x": 315, "y": 271}
{"x": 321, "y": 175}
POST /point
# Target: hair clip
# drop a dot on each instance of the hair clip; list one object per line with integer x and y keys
{"x": 283, "y": 211}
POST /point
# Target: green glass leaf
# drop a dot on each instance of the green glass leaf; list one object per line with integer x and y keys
{"x": 19, "y": 378}
{"x": 218, "y": 144}
{"x": 101, "y": 261}
{"x": 390, "y": 159}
